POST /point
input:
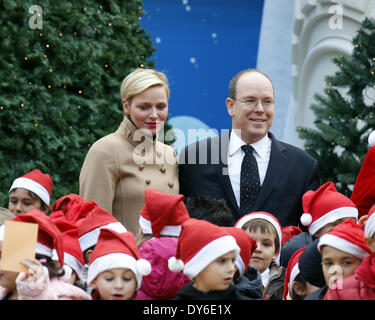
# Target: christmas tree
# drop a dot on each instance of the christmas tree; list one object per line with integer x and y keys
{"x": 62, "y": 64}
{"x": 345, "y": 114}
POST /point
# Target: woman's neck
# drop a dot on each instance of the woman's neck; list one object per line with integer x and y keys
{"x": 136, "y": 128}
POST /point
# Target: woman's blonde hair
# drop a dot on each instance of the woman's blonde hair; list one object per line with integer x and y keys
{"x": 140, "y": 80}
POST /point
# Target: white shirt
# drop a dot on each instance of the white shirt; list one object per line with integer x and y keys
{"x": 236, "y": 154}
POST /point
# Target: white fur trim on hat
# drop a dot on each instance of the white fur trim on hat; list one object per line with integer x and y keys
{"x": 112, "y": 261}
{"x": 371, "y": 139}
{"x": 2, "y": 231}
{"x": 341, "y": 244}
{"x": 168, "y": 230}
{"x": 90, "y": 238}
{"x": 293, "y": 274}
{"x": 249, "y": 217}
{"x": 73, "y": 263}
{"x": 240, "y": 265}
{"x": 336, "y": 214}
{"x": 33, "y": 186}
{"x": 370, "y": 226}
{"x": 44, "y": 250}
{"x": 209, "y": 253}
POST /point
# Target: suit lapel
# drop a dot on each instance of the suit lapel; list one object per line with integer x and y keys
{"x": 276, "y": 166}
{"x": 221, "y": 144}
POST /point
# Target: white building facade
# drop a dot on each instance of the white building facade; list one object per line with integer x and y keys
{"x": 297, "y": 43}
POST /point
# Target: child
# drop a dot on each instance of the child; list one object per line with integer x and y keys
{"x": 247, "y": 279}
{"x": 160, "y": 223}
{"x": 324, "y": 209}
{"x": 89, "y": 218}
{"x": 361, "y": 284}
{"x": 310, "y": 267}
{"x": 115, "y": 269}
{"x": 342, "y": 251}
{"x": 73, "y": 256}
{"x": 295, "y": 286}
{"x": 206, "y": 253}
{"x": 209, "y": 209}
{"x": 266, "y": 230}
{"x": 31, "y": 191}
{"x": 42, "y": 281}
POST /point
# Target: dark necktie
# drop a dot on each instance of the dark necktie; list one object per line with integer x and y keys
{"x": 249, "y": 181}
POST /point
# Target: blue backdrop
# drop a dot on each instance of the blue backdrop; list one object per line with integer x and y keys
{"x": 200, "y": 46}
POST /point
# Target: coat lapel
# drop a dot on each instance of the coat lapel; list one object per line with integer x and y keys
{"x": 276, "y": 167}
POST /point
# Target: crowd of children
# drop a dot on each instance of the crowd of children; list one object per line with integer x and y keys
{"x": 189, "y": 249}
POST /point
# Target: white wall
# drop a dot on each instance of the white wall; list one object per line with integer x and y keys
{"x": 298, "y": 40}
{"x": 274, "y": 59}
{"x": 322, "y": 29}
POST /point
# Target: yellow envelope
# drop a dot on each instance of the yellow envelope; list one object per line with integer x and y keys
{"x": 19, "y": 244}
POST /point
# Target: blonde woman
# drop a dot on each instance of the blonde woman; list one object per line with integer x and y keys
{"x": 120, "y": 166}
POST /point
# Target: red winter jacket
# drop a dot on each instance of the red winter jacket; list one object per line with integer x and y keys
{"x": 358, "y": 286}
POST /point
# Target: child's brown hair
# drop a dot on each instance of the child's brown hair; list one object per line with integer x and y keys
{"x": 264, "y": 226}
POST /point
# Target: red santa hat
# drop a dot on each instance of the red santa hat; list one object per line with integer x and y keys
{"x": 117, "y": 250}
{"x": 162, "y": 213}
{"x": 73, "y": 206}
{"x": 247, "y": 245}
{"x": 73, "y": 256}
{"x": 90, "y": 222}
{"x": 370, "y": 223}
{"x": 325, "y": 205}
{"x": 49, "y": 236}
{"x": 289, "y": 232}
{"x": 261, "y": 215}
{"x": 347, "y": 236}
{"x": 292, "y": 272}
{"x": 199, "y": 244}
{"x": 36, "y": 181}
{"x": 363, "y": 194}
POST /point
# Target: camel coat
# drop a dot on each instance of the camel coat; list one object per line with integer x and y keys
{"x": 120, "y": 166}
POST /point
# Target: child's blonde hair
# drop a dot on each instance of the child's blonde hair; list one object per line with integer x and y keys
{"x": 140, "y": 80}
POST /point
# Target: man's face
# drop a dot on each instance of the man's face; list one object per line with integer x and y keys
{"x": 254, "y": 121}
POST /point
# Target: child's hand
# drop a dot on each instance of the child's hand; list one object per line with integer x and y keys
{"x": 34, "y": 269}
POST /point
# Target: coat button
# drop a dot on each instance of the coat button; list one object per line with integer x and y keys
{"x": 158, "y": 153}
{"x": 171, "y": 184}
{"x": 163, "y": 169}
{"x": 148, "y": 181}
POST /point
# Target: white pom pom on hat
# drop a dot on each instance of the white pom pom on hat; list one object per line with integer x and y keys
{"x": 143, "y": 267}
{"x": 371, "y": 139}
{"x": 306, "y": 219}
{"x": 175, "y": 265}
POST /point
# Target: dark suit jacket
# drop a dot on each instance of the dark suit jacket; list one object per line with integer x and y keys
{"x": 290, "y": 173}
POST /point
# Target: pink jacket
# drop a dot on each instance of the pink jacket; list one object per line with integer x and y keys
{"x": 161, "y": 284}
{"x": 46, "y": 289}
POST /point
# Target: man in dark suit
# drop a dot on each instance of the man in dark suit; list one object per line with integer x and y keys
{"x": 271, "y": 177}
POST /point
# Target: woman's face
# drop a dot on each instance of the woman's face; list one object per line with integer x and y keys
{"x": 148, "y": 109}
